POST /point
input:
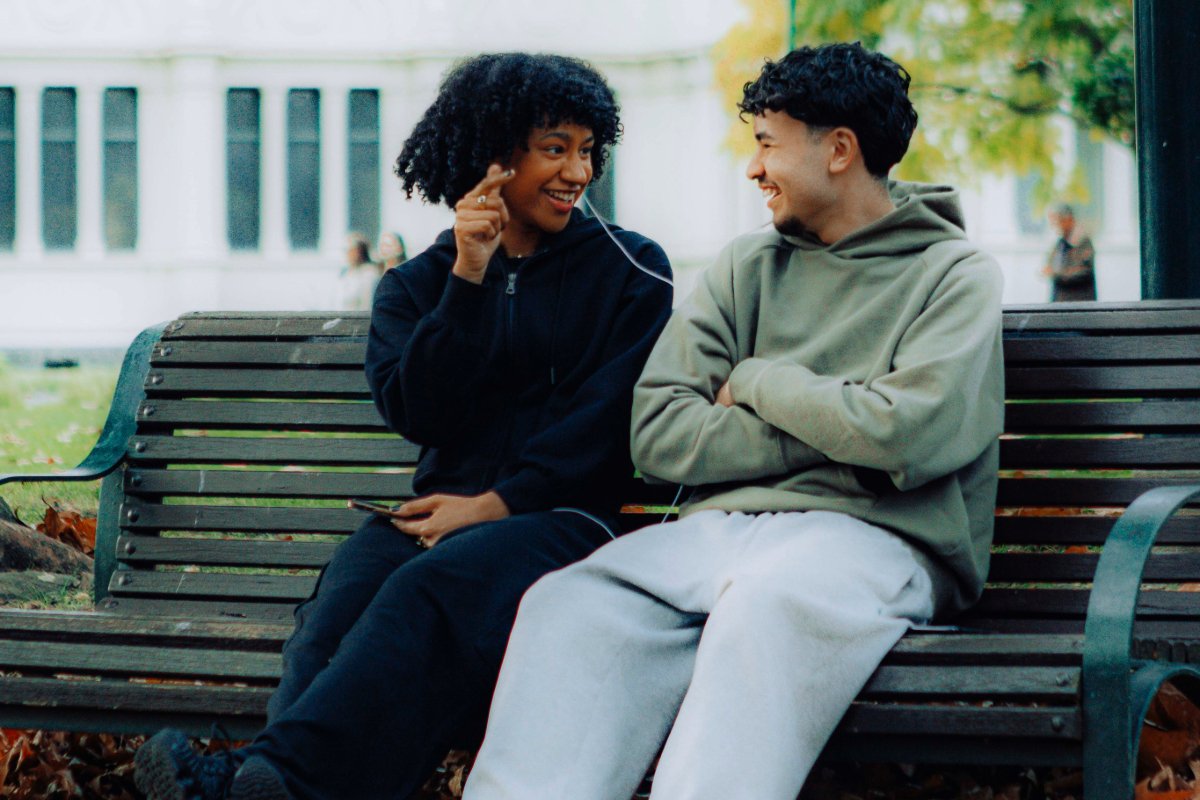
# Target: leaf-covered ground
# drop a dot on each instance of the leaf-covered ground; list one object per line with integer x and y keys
{"x": 40, "y": 765}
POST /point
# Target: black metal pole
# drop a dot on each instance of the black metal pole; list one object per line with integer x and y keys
{"x": 1167, "y": 42}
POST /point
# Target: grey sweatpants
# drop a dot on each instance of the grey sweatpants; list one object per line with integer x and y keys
{"x": 739, "y": 640}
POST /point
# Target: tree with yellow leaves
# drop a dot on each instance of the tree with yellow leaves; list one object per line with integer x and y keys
{"x": 989, "y": 77}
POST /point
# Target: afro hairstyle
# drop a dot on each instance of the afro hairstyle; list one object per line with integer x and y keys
{"x": 837, "y": 85}
{"x": 487, "y": 106}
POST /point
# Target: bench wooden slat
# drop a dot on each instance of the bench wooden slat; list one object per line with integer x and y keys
{"x": 258, "y": 483}
{"x": 1079, "y": 492}
{"x": 1159, "y": 452}
{"x": 247, "y": 415}
{"x": 957, "y": 648}
{"x": 1001, "y": 684}
{"x": 1143, "y": 317}
{"x": 211, "y": 585}
{"x": 904, "y": 718}
{"x": 146, "y": 550}
{"x": 87, "y": 626}
{"x": 324, "y": 354}
{"x": 1101, "y": 381}
{"x": 1148, "y": 633}
{"x": 264, "y": 383}
{"x": 126, "y": 661}
{"x": 266, "y": 613}
{"x": 1180, "y": 347}
{"x": 1103, "y": 417}
{"x": 1086, "y": 530}
{"x": 1069, "y": 567}
{"x": 248, "y": 701}
{"x": 276, "y": 325}
{"x": 385, "y": 451}
{"x": 1072, "y": 603}
{"x": 991, "y": 752}
{"x": 241, "y": 519}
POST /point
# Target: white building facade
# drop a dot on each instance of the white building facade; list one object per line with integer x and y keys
{"x": 161, "y": 156}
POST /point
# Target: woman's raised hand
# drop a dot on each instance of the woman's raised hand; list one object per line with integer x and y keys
{"x": 478, "y": 220}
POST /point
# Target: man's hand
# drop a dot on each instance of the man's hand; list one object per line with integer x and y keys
{"x": 478, "y": 220}
{"x": 430, "y": 518}
{"x": 724, "y": 396}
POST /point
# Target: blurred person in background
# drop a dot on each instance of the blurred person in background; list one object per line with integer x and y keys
{"x": 391, "y": 251}
{"x": 1071, "y": 265}
{"x": 360, "y": 276}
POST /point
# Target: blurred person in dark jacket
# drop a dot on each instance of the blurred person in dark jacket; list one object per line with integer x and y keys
{"x": 1071, "y": 265}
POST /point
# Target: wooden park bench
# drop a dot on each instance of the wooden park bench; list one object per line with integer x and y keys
{"x": 235, "y": 439}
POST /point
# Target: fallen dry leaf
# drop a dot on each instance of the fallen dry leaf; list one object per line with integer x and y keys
{"x": 1173, "y": 709}
{"x": 1164, "y": 749}
{"x": 71, "y": 528}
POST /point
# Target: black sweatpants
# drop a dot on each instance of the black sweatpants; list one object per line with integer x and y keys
{"x": 395, "y": 656}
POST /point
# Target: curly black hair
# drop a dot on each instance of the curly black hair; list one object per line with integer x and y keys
{"x": 838, "y": 85}
{"x": 486, "y": 107}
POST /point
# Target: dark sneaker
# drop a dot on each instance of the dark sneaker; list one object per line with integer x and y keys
{"x": 167, "y": 768}
{"x": 258, "y": 780}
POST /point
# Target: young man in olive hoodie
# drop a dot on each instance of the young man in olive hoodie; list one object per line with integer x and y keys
{"x": 833, "y": 390}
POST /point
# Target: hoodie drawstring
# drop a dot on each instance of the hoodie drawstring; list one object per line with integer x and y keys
{"x": 562, "y": 280}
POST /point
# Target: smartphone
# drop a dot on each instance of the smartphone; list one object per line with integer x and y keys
{"x": 378, "y": 508}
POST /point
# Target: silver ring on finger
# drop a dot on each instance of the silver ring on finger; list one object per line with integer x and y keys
{"x": 481, "y": 200}
{"x": 421, "y": 543}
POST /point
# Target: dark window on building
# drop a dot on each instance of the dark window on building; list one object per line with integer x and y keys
{"x": 304, "y": 168}
{"x": 363, "y": 173}
{"x": 58, "y": 168}
{"x": 8, "y": 169}
{"x": 602, "y": 193}
{"x": 243, "y": 150}
{"x": 120, "y": 169}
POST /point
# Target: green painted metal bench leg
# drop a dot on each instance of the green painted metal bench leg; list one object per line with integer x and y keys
{"x": 1111, "y": 717}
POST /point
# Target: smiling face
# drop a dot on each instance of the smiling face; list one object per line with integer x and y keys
{"x": 792, "y": 167}
{"x": 552, "y": 170}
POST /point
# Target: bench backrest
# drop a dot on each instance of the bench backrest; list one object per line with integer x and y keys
{"x": 257, "y": 427}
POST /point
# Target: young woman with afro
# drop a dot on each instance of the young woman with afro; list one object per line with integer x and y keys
{"x": 508, "y": 350}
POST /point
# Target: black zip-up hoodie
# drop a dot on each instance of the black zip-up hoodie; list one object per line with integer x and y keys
{"x": 522, "y": 384}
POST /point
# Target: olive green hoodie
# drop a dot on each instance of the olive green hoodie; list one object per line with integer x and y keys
{"x": 867, "y": 377}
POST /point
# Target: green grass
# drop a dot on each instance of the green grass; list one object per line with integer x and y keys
{"x": 62, "y": 599}
{"x": 49, "y": 420}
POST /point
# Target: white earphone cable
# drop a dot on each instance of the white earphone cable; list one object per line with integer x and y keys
{"x": 592, "y": 210}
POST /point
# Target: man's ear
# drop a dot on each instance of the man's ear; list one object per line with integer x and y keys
{"x": 844, "y": 149}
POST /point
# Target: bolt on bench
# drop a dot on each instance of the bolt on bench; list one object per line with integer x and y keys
{"x": 235, "y": 439}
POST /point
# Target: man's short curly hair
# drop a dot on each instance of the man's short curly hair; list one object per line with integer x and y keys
{"x": 486, "y": 107}
{"x": 838, "y": 85}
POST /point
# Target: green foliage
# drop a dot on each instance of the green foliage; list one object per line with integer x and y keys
{"x": 990, "y": 77}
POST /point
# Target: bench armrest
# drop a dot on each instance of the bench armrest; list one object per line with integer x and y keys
{"x": 109, "y": 450}
{"x": 1108, "y": 705}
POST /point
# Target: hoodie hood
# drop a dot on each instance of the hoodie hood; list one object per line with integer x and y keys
{"x": 924, "y": 215}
